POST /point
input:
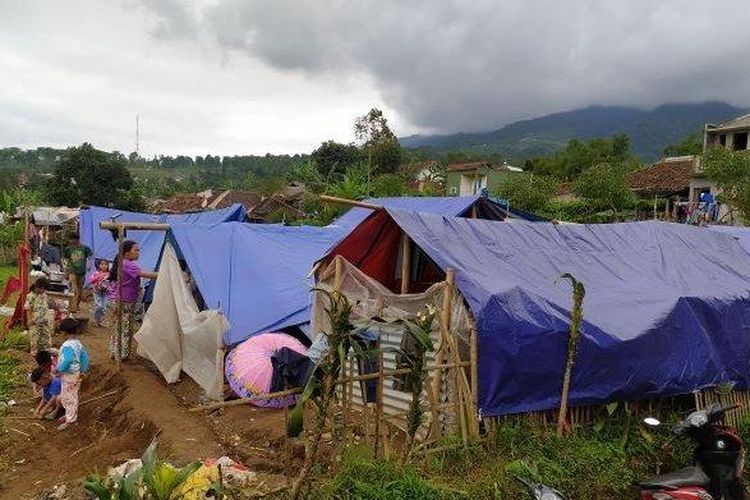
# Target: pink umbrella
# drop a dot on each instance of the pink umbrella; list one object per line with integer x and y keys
{"x": 249, "y": 369}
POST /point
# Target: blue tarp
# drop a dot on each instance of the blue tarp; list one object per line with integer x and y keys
{"x": 104, "y": 246}
{"x": 666, "y": 312}
{"x": 739, "y": 233}
{"x": 454, "y": 206}
{"x": 257, "y": 274}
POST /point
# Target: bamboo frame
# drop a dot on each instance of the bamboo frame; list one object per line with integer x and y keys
{"x": 297, "y": 390}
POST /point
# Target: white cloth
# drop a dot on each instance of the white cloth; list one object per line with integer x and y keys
{"x": 176, "y": 336}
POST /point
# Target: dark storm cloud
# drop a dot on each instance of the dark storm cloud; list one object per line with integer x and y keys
{"x": 458, "y": 65}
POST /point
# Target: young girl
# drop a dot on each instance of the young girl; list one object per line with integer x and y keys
{"x": 40, "y": 322}
{"x": 101, "y": 285}
{"x": 71, "y": 366}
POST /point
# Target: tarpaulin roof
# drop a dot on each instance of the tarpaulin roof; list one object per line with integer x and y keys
{"x": 257, "y": 274}
{"x": 666, "y": 312}
{"x": 739, "y": 233}
{"x": 151, "y": 242}
{"x": 458, "y": 206}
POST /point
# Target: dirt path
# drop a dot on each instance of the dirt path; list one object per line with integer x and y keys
{"x": 118, "y": 427}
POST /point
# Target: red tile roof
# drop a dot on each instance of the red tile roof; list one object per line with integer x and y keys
{"x": 667, "y": 176}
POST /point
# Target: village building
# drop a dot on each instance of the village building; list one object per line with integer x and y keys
{"x": 467, "y": 179}
{"x": 732, "y": 134}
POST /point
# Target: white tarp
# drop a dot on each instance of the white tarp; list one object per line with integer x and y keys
{"x": 176, "y": 336}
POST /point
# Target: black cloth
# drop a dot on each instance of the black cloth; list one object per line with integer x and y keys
{"x": 290, "y": 369}
{"x": 50, "y": 254}
{"x": 368, "y": 363}
{"x": 406, "y": 352}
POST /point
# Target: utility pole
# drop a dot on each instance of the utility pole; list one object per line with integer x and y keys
{"x": 137, "y": 135}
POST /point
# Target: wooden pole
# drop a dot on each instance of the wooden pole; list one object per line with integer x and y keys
{"x": 405, "y": 263}
{"x": 351, "y": 203}
{"x": 445, "y": 318}
{"x": 339, "y": 271}
{"x": 474, "y": 211}
{"x": 298, "y": 390}
{"x": 379, "y": 403}
{"x": 118, "y": 337}
{"x": 133, "y": 226}
{"x": 655, "y": 207}
{"x": 474, "y": 380}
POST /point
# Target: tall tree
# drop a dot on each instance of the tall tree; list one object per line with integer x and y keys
{"x": 378, "y": 142}
{"x": 528, "y": 191}
{"x": 333, "y": 158}
{"x": 85, "y": 175}
{"x": 605, "y": 186}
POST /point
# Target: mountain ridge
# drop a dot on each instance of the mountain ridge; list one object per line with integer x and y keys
{"x": 649, "y": 130}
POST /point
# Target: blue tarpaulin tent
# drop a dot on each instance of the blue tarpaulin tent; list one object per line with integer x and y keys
{"x": 667, "y": 307}
{"x": 739, "y": 233}
{"x": 104, "y": 246}
{"x": 257, "y": 274}
{"x": 458, "y": 206}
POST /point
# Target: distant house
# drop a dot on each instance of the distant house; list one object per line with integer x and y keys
{"x": 207, "y": 200}
{"x": 679, "y": 180}
{"x": 667, "y": 178}
{"x": 732, "y": 134}
{"x": 284, "y": 204}
{"x": 466, "y": 179}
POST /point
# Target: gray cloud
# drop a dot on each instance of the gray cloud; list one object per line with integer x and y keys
{"x": 455, "y": 65}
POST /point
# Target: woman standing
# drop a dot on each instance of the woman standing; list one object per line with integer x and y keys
{"x": 131, "y": 287}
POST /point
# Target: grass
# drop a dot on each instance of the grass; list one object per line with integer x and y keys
{"x": 597, "y": 461}
{"x": 14, "y": 361}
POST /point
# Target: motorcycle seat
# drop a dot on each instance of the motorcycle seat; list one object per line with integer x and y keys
{"x": 689, "y": 476}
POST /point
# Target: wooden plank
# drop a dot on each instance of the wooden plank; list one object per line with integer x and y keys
{"x": 134, "y": 226}
{"x": 405, "y": 262}
{"x": 351, "y": 203}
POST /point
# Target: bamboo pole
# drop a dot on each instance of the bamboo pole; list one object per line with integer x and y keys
{"x": 118, "y": 337}
{"x": 379, "y": 403}
{"x": 445, "y": 321}
{"x": 351, "y": 203}
{"x": 297, "y": 390}
{"x": 134, "y": 226}
{"x": 405, "y": 263}
{"x": 338, "y": 274}
{"x": 474, "y": 380}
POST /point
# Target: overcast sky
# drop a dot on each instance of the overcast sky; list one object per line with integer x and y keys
{"x": 280, "y": 76}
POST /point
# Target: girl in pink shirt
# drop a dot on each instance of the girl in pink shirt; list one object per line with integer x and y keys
{"x": 131, "y": 288}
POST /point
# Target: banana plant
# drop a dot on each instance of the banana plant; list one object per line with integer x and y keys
{"x": 579, "y": 292}
{"x": 419, "y": 330}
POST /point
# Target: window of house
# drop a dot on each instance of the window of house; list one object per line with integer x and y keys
{"x": 723, "y": 139}
{"x": 740, "y": 141}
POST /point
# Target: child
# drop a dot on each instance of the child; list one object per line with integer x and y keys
{"x": 50, "y": 387}
{"x": 37, "y": 305}
{"x": 46, "y": 361}
{"x": 72, "y": 365}
{"x": 100, "y": 283}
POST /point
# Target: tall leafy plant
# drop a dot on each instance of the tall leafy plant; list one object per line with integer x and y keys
{"x": 321, "y": 387}
{"x": 419, "y": 330}
{"x": 579, "y": 292}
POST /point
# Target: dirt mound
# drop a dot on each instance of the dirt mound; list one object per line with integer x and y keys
{"x": 36, "y": 456}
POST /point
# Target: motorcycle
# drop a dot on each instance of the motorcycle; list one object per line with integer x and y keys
{"x": 719, "y": 461}
{"x": 541, "y": 492}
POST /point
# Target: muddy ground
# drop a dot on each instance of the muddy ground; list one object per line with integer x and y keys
{"x": 127, "y": 408}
